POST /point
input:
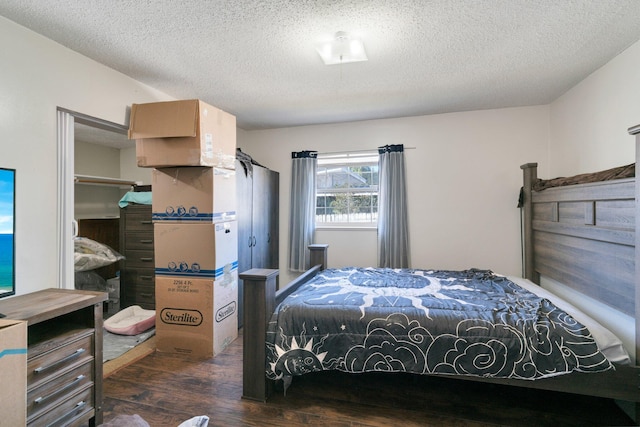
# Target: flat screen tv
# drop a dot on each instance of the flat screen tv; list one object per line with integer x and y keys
{"x": 7, "y": 232}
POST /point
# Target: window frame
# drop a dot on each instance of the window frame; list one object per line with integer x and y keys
{"x": 341, "y": 160}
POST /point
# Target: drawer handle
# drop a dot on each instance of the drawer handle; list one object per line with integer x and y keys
{"x": 76, "y": 353}
{"x": 146, "y": 277}
{"x": 67, "y": 386}
{"x": 146, "y": 222}
{"x": 146, "y": 241}
{"x": 146, "y": 295}
{"x": 69, "y": 414}
{"x": 146, "y": 259}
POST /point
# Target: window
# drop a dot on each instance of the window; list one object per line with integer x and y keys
{"x": 347, "y": 190}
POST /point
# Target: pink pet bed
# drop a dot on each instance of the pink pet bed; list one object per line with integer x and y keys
{"x": 132, "y": 320}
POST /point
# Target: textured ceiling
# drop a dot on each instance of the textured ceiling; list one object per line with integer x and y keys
{"x": 256, "y": 58}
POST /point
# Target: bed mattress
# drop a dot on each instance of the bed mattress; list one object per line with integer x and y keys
{"x": 608, "y": 343}
{"x": 470, "y": 322}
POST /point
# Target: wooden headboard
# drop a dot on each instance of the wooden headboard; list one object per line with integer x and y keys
{"x": 584, "y": 236}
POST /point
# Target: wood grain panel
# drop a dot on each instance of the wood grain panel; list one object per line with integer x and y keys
{"x": 615, "y": 236}
{"x": 545, "y": 211}
{"x": 589, "y": 245}
{"x": 618, "y": 214}
{"x": 571, "y": 212}
{"x": 606, "y": 190}
{"x": 601, "y": 270}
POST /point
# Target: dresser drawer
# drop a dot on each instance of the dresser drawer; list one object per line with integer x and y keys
{"x": 138, "y": 287}
{"x": 75, "y": 410}
{"x": 139, "y": 240}
{"x": 141, "y": 277}
{"x": 50, "y": 394}
{"x": 54, "y": 363}
{"x": 142, "y": 292}
{"x": 138, "y": 218}
{"x": 138, "y": 258}
{"x": 142, "y": 295}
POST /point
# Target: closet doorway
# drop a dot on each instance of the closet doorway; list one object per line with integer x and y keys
{"x": 77, "y": 133}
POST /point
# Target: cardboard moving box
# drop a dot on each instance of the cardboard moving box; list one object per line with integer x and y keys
{"x": 195, "y": 316}
{"x": 196, "y": 287}
{"x": 195, "y": 250}
{"x": 13, "y": 372}
{"x": 183, "y": 133}
{"x": 194, "y": 194}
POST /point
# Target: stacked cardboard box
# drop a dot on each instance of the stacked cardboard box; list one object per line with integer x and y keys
{"x": 193, "y": 194}
{"x": 13, "y": 365}
{"x": 183, "y": 133}
{"x": 191, "y": 146}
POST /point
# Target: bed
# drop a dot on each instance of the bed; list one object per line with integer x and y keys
{"x": 582, "y": 235}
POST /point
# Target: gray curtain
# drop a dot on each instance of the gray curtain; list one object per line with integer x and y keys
{"x": 302, "y": 214}
{"x": 393, "y": 229}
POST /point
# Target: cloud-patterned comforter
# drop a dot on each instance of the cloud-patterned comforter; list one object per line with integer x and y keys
{"x": 470, "y": 322}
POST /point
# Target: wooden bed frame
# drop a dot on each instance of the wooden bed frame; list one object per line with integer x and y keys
{"x": 582, "y": 235}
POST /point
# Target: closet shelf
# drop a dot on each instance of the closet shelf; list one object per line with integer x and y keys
{"x": 101, "y": 180}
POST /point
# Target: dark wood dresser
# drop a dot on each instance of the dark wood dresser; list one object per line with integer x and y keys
{"x": 137, "y": 272}
{"x": 64, "y": 355}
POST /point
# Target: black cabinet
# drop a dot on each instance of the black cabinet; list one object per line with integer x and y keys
{"x": 257, "y": 214}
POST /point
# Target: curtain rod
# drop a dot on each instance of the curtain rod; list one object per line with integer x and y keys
{"x": 372, "y": 150}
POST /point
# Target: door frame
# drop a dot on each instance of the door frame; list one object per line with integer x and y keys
{"x": 66, "y": 225}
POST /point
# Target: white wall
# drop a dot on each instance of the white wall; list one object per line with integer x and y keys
{"x": 589, "y": 123}
{"x": 38, "y": 75}
{"x": 463, "y": 182}
{"x": 129, "y": 168}
{"x": 96, "y": 201}
{"x": 96, "y": 160}
{"x": 101, "y": 201}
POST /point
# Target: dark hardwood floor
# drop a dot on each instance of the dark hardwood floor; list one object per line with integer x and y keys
{"x": 166, "y": 390}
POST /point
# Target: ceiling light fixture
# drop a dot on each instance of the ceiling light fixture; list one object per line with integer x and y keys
{"x": 342, "y": 49}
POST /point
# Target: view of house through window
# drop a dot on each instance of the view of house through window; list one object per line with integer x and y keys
{"x": 347, "y": 189}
